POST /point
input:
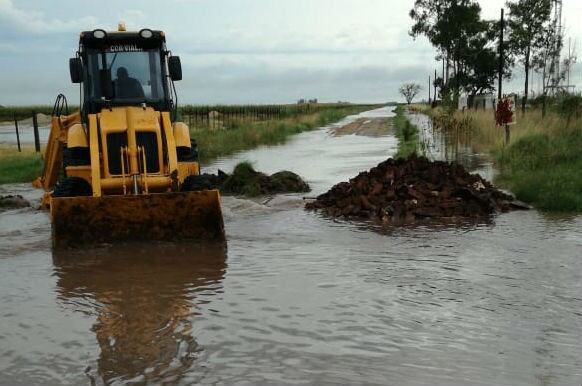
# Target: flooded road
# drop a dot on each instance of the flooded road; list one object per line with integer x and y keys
{"x": 297, "y": 298}
{"x": 25, "y": 132}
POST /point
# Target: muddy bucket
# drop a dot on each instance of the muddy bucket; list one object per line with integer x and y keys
{"x": 78, "y": 221}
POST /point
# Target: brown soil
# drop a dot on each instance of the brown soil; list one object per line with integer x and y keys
{"x": 370, "y": 127}
{"x": 11, "y": 202}
{"x": 410, "y": 191}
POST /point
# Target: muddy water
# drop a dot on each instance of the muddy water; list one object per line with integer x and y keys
{"x": 25, "y": 132}
{"x": 297, "y": 298}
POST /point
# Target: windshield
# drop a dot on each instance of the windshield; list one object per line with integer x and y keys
{"x": 134, "y": 74}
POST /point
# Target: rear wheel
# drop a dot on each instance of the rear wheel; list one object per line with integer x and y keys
{"x": 188, "y": 154}
{"x": 72, "y": 187}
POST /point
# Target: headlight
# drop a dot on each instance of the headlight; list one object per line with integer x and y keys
{"x": 99, "y": 34}
{"x": 146, "y": 33}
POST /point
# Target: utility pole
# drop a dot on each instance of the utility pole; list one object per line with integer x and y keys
{"x": 569, "y": 62}
{"x": 429, "y": 89}
{"x": 435, "y": 78}
{"x": 499, "y": 88}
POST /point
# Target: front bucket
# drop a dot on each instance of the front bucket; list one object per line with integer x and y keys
{"x": 162, "y": 216}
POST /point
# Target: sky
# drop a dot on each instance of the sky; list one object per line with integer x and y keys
{"x": 239, "y": 51}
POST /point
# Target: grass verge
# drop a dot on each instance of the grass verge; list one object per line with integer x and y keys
{"x": 544, "y": 169}
{"x": 541, "y": 164}
{"x": 214, "y": 143}
{"x": 19, "y": 167}
{"x": 407, "y": 134}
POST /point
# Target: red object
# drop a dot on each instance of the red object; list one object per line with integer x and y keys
{"x": 504, "y": 113}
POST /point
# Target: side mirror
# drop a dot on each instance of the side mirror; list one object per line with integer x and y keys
{"x": 175, "y": 67}
{"x": 106, "y": 84}
{"x": 76, "y": 70}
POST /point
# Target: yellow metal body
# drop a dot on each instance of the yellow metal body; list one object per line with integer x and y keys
{"x": 181, "y": 134}
{"x": 132, "y": 203}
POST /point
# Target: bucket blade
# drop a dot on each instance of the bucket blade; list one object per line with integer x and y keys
{"x": 163, "y": 216}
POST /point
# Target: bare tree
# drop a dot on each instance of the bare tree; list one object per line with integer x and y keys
{"x": 409, "y": 91}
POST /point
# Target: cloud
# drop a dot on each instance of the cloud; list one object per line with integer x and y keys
{"x": 234, "y": 51}
{"x": 30, "y": 21}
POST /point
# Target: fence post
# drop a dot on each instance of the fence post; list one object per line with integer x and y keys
{"x": 36, "y": 137}
{"x": 17, "y": 134}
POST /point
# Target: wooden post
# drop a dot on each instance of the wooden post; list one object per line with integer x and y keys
{"x": 17, "y": 134}
{"x": 500, "y": 75}
{"x": 435, "y": 93}
{"x": 36, "y": 136}
{"x": 507, "y": 134}
{"x": 429, "y": 87}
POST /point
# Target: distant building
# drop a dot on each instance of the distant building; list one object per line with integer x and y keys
{"x": 477, "y": 102}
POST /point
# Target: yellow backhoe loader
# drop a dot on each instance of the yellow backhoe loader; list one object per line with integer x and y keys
{"x": 122, "y": 168}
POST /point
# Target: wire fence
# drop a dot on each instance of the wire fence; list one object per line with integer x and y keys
{"x": 229, "y": 116}
{"x": 197, "y": 117}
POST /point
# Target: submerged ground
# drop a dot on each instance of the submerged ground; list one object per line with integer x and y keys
{"x": 297, "y": 298}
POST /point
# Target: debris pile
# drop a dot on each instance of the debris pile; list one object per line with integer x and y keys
{"x": 246, "y": 181}
{"x": 12, "y": 202}
{"x": 412, "y": 190}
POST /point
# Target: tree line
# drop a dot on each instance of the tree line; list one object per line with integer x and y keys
{"x": 468, "y": 45}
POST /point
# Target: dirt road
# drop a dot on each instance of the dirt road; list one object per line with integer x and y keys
{"x": 369, "y": 127}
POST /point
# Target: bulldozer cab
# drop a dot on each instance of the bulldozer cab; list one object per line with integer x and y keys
{"x": 130, "y": 169}
{"x": 125, "y": 68}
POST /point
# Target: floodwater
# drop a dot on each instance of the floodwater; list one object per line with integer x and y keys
{"x": 297, "y": 298}
{"x": 25, "y": 133}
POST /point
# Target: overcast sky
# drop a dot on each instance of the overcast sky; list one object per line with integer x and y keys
{"x": 237, "y": 51}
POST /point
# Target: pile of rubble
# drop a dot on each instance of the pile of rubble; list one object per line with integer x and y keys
{"x": 409, "y": 191}
{"x": 245, "y": 181}
{"x": 12, "y": 202}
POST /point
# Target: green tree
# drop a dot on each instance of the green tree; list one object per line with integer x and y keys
{"x": 456, "y": 29}
{"x": 529, "y": 28}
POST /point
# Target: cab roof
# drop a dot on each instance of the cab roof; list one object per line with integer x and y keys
{"x": 107, "y": 38}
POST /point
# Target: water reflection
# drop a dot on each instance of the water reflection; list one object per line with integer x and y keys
{"x": 144, "y": 298}
{"x": 450, "y": 146}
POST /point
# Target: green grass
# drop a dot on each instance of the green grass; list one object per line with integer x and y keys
{"x": 407, "y": 134}
{"x": 542, "y": 163}
{"x": 19, "y": 167}
{"x": 246, "y": 135}
{"x": 545, "y": 170}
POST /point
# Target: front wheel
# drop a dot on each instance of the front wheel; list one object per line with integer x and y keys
{"x": 72, "y": 187}
{"x": 197, "y": 183}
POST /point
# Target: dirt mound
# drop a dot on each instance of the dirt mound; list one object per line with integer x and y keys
{"x": 246, "y": 181}
{"x": 413, "y": 190}
{"x": 11, "y": 202}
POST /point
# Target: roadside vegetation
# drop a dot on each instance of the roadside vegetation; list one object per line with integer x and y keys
{"x": 406, "y": 132}
{"x": 542, "y": 162}
{"x": 238, "y": 135}
{"x": 17, "y": 166}
{"x": 242, "y": 135}
{"x": 8, "y": 113}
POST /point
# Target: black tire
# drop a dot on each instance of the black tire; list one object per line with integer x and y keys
{"x": 188, "y": 154}
{"x": 72, "y": 187}
{"x": 197, "y": 184}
